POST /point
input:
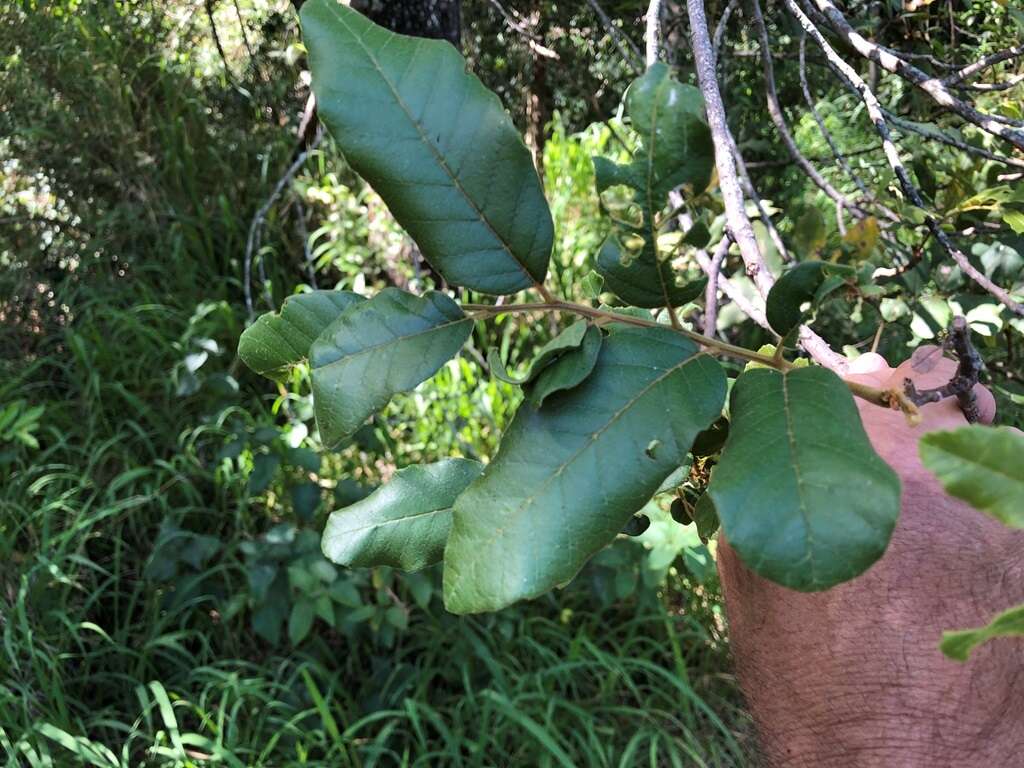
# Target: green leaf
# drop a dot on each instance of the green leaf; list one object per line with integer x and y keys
{"x": 675, "y": 150}
{"x": 404, "y": 523}
{"x": 264, "y": 467}
{"x": 436, "y": 145}
{"x": 698, "y": 235}
{"x": 569, "y": 339}
{"x": 802, "y": 496}
{"x": 799, "y": 285}
{"x": 984, "y": 466}
{"x": 301, "y": 621}
{"x": 569, "y": 474}
{"x": 306, "y": 499}
{"x": 959, "y": 644}
{"x": 377, "y": 349}
{"x": 809, "y": 232}
{"x": 569, "y": 369}
{"x": 642, "y": 281}
{"x": 591, "y": 285}
{"x": 705, "y": 517}
{"x": 279, "y": 340}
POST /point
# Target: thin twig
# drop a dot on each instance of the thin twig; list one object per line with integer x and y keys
{"x": 723, "y": 22}
{"x": 522, "y": 28}
{"x": 252, "y": 243}
{"x": 626, "y": 47}
{"x": 736, "y": 217}
{"x": 779, "y": 119}
{"x": 932, "y": 86}
{"x": 711, "y": 292}
{"x": 982, "y": 64}
{"x": 874, "y": 111}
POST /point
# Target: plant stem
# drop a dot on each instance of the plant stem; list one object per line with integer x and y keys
{"x": 886, "y": 398}
{"x": 605, "y": 316}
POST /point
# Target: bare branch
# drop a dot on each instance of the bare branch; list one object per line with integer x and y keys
{"x": 723, "y": 21}
{"x": 982, "y": 64}
{"x": 874, "y": 110}
{"x": 736, "y": 217}
{"x": 830, "y": 140}
{"x": 779, "y": 119}
{"x": 943, "y": 138}
{"x": 934, "y": 87}
{"x": 626, "y": 46}
{"x": 711, "y": 292}
{"x": 652, "y": 38}
{"x": 961, "y": 386}
{"x": 523, "y": 28}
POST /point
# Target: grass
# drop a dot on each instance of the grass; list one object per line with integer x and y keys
{"x": 104, "y": 662}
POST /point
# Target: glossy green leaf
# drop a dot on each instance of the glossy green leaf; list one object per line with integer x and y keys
{"x": 569, "y": 474}
{"x": 404, "y": 523}
{"x": 377, "y": 349}
{"x": 984, "y": 466}
{"x": 436, "y": 145}
{"x": 642, "y": 281}
{"x": 959, "y": 644}
{"x": 801, "y": 495}
{"x": 799, "y": 285}
{"x": 569, "y": 369}
{"x": 279, "y": 340}
{"x": 675, "y": 150}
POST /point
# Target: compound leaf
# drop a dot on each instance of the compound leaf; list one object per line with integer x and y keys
{"x": 984, "y": 466}
{"x": 279, "y": 340}
{"x": 570, "y": 473}
{"x": 403, "y": 524}
{"x": 377, "y": 349}
{"x": 801, "y": 495}
{"x": 435, "y": 144}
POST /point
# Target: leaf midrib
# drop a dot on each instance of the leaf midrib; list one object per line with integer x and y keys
{"x": 430, "y": 145}
{"x": 389, "y": 342}
{"x": 591, "y": 441}
{"x": 393, "y": 521}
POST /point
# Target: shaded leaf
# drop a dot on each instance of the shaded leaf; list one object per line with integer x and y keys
{"x": 570, "y": 473}
{"x": 569, "y": 369}
{"x": 436, "y": 145}
{"x": 264, "y": 467}
{"x": 675, "y": 150}
{"x": 643, "y": 281}
{"x": 984, "y": 466}
{"x": 705, "y": 517}
{"x": 306, "y": 499}
{"x": 377, "y": 349}
{"x": 404, "y": 523}
{"x": 301, "y": 621}
{"x": 567, "y": 340}
{"x": 799, "y": 285}
{"x": 959, "y": 644}
{"x": 279, "y": 340}
{"x": 802, "y": 496}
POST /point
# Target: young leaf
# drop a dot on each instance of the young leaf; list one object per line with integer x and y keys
{"x": 404, "y": 523}
{"x": 435, "y": 144}
{"x": 959, "y": 644}
{"x": 569, "y": 339}
{"x": 644, "y": 281}
{"x": 801, "y": 495}
{"x": 984, "y": 466}
{"x": 279, "y": 340}
{"x": 800, "y": 284}
{"x": 569, "y": 369}
{"x": 676, "y": 150}
{"x": 377, "y": 349}
{"x": 570, "y": 473}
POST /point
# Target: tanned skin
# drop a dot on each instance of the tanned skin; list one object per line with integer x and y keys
{"x": 852, "y": 677}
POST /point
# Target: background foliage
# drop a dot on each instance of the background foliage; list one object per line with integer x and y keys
{"x": 164, "y": 598}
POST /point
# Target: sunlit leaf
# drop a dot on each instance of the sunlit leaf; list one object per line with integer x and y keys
{"x": 984, "y": 466}
{"x": 958, "y": 644}
{"x": 570, "y": 473}
{"x": 436, "y": 145}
